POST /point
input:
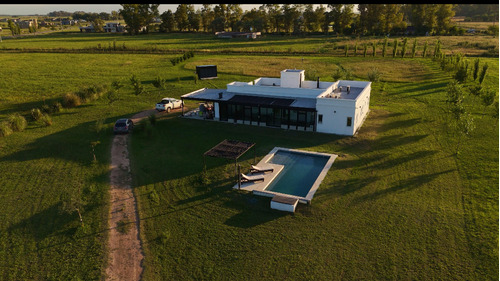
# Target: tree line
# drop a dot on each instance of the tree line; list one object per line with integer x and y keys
{"x": 340, "y": 19}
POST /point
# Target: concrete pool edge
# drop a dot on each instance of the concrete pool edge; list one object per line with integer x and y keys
{"x": 306, "y": 199}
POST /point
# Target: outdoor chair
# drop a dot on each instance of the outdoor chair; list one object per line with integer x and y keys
{"x": 257, "y": 169}
{"x": 245, "y": 178}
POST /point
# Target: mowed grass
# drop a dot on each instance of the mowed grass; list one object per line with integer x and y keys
{"x": 398, "y": 202}
{"x": 41, "y": 166}
{"x": 273, "y": 44}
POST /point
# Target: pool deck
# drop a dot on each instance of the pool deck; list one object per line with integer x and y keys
{"x": 258, "y": 188}
{"x": 268, "y": 178}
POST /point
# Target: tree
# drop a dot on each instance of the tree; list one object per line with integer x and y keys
{"x": 414, "y": 48}
{"x": 461, "y": 74}
{"x": 371, "y": 18}
{"x": 392, "y": 18}
{"x": 138, "y": 16}
{"x": 384, "y": 47}
{"x": 167, "y": 21}
{"x": 444, "y": 13}
{"x": 483, "y": 73}
{"x": 475, "y": 70}
{"x": 181, "y": 17}
{"x": 274, "y": 16}
{"x": 160, "y": 83}
{"x": 290, "y": 15}
{"x": 487, "y": 98}
{"x": 437, "y": 49}
{"x": 70, "y": 202}
{"x": 220, "y": 17}
{"x": 395, "y": 48}
{"x": 405, "y": 45}
{"x": 424, "y": 51}
{"x": 374, "y": 48}
{"x": 14, "y": 28}
{"x": 194, "y": 19}
{"x": 234, "y": 14}
{"x": 207, "y": 16}
{"x": 342, "y": 16}
{"x": 136, "y": 84}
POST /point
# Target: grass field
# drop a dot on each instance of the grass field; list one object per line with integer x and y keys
{"x": 269, "y": 44}
{"x": 398, "y": 202}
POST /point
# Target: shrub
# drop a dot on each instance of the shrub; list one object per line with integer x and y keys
{"x": 46, "y": 108}
{"x": 36, "y": 114}
{"x": 374, "y": 75}
{"x": 17, "y": 122}
{"x": 152, "y": 119}
{"x": 5, "y": 129}
{"x": 71, "y": 100}
{"x": 47, "y": 120}
{"x": 99, "y": 125}
{"x": 483, "y": 73}
{"x": 56, "y": 107}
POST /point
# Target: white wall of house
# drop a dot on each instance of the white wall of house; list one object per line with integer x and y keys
{"x": 334, "y": 114}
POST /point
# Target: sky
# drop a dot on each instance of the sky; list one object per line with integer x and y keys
{"x": 43, "y": 9}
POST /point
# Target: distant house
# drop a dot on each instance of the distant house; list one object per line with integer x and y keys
{"x": 114, "y": 27}
{"x": 87, "y": 28}
{"x": 108, "y": 27}
{"x": 224, "y": 34}
{"x": 68, "y": 22}
{"x": 28, "y": 23}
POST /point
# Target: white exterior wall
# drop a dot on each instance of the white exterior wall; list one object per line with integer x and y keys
{"x": 362, "y": 107}
{"x": 292, "y": 78}
{"x": 335, "y": 113}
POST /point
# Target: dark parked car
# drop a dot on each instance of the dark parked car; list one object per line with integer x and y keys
{"x": 123, "y": 126}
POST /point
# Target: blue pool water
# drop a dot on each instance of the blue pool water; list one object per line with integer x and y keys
{"x": 299, "y": 173}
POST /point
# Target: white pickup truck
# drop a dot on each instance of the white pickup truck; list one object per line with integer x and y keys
{"x": 167, "y": 104}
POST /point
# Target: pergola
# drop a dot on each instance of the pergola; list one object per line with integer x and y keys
{"x": 229, "y": 149}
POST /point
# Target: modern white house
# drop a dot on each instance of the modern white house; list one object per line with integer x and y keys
{"x": 290, "y": 102}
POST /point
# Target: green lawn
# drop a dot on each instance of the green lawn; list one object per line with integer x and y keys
{"x": 397, "y": 203}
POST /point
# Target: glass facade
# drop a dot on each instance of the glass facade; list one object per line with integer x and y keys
{"x": 294, "y": 119}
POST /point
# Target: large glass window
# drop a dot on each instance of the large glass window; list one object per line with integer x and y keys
{"x": 255, "y": 113}
{"x": 293, "y": 117}
{"x": 223, "y": 111}
{"x": 248, "y": 113}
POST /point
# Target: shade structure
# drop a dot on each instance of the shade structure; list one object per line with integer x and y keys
{"x": 229, "y": 149}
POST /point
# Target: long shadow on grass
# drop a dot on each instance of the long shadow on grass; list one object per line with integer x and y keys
{"x": 177, "y": 148}
{"x": 404, "y": 185}
{"x": 51, "y": 221}
{"x": 73, "y": 144}
{"x": 253, "y": 210}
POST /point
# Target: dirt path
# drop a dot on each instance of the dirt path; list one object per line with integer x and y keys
{"x": 125, "y": 248}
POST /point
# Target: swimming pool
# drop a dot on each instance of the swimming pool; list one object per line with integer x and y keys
{"x": 302, "y": 173}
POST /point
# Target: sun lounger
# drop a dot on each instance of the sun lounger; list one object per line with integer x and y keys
{"x": 256, "y": 169}
{"x": 245, "y": 178}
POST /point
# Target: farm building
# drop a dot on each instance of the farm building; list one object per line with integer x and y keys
{"x": 225, "y": 34}
{"x": 290, "y": 102}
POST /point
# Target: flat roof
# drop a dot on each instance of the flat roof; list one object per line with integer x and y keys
{"x": 251, "y": 99}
